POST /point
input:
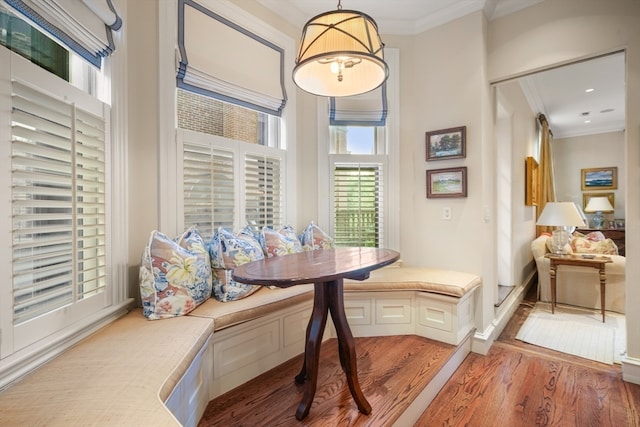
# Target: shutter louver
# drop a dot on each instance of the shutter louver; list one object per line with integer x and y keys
{"x": 358, "y": 205}
{"x": 209, "y": 188}
{"x": 263, "y": 191}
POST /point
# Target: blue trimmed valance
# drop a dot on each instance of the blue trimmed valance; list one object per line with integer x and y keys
{"x": 84, "y": 26}
{"x": 225, "y": 61}
{"x": 367, "y": 109}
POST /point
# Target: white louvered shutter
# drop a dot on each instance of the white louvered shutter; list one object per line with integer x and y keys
{"x": 209, "y": 188}
{"x": 263, "y": 190}
{"x": 58, "y": 208}
{"x": 358, "y": 204}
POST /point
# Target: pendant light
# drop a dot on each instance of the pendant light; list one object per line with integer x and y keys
{"x": 341, "y": 54}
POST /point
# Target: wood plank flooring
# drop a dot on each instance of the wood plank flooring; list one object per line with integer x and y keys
{"x": 516, "y": 384}
{"x": 392, "y": 372}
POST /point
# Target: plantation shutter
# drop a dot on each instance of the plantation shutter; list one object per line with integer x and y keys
{"x": 263, "y": 190}
{"x": 58, "y": 209}
{"x": 358, "y": 201}
{"x": 209, "y": 189}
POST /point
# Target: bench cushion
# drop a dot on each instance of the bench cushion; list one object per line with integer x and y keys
{"x": 261, "y": 303}
{"x": 119, "y": 376}
{"x": 445, "y": 282}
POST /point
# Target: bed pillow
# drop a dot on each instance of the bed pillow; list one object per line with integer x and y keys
{"x": 281, "y": 242}
{"x": 313, "y": 237}
{"x": 227, "y": 251}
{"x": 175, "y": 275}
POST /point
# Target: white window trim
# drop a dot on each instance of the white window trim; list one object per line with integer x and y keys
{"x": 392, "y": 177}
{"x": 170, "y": 219}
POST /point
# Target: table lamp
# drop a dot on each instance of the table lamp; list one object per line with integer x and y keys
{"x": 565, "y": 216}
{"x": 599, "y": 205}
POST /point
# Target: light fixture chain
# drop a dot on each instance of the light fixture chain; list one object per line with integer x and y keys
{"x": 339, "y": 4}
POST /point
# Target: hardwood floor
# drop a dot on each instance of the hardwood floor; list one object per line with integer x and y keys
{"x": 392, "y": 372}
{"x": 516, "y": 384}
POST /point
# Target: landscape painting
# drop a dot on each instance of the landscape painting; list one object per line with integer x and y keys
{"x": 450, "y": 182}
{"x": 599, "y": 178}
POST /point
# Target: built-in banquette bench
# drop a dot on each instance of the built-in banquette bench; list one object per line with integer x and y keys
{"x": 132, "y": 371}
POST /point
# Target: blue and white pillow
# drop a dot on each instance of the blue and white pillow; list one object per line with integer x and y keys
{"x": 227, "y": 251}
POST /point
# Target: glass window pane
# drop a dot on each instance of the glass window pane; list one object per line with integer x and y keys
{"x": 354, "y": 139}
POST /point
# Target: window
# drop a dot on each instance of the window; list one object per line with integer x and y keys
{"x": 57, "y": 156}
{"x": 232, "y": 162}
{"x": 358, "y": 162}
{"x": 358, "y": 204}
{"x": 30, "y": 43}
{"x": 360, "y": 173}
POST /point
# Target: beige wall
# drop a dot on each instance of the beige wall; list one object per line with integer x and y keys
{"x": 522, "y": 140}
{"x": 142, "y": 98}
{"x": 589, "y": 151}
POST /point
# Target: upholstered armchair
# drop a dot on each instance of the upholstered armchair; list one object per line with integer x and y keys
{"x": 580, "y": 286}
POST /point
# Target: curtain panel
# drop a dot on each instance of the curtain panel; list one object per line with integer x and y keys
{"x": 547, "y": 183}
{"x": 84, "y": 26}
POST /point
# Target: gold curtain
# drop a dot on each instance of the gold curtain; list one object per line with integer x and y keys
{"x": 547, "y": 191}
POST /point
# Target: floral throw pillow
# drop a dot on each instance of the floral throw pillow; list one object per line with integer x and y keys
{"x": 227, "y": 251}
{"x": 281, "y": 242}
{"x": 583, "y": 245}
{"x": 175, "y": 275}
{"x": 313, "y": 237}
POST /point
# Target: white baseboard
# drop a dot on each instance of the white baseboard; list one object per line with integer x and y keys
{"x": 631, "y": 370}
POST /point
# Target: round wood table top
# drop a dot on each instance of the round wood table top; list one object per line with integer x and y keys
{"x": 321, "y": 265}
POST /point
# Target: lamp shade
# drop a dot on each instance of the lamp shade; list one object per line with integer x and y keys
{"x": 599, "y": 204}
{"x": 341, "y": 54}
{"x": 560, "y": 214}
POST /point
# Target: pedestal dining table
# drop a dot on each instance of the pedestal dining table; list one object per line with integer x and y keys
{"x": 326, "y": 269}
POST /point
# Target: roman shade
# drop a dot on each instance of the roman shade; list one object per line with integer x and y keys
{"x": 367, "y": 109}
{"x": 225, "y": 61}
{"x": 84, "y": 26}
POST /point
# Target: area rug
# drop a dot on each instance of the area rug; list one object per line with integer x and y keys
{"x": 576, "y": 331}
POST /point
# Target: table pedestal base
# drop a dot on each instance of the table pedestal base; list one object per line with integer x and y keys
{"x": 329, "y": 297}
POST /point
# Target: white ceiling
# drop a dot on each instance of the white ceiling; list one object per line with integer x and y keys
{"x": 561, "y": 95}
{"x": 558, "y": 93}
{"x": 401, "y": 17}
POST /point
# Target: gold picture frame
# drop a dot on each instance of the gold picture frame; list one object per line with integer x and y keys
{"x": 599, "y": 178}
{"x": 532, "y": 181}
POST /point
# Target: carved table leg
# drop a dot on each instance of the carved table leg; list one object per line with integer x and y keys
{"x": 315, "y": 330}
{"x": 346, "y": 345}
{"x": 552, "y": 274}
{"x": 328, "y": 298}
{"x": 603, "y": 280}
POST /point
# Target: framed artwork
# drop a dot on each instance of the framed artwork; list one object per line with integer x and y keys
{"x": 532, "y": 181}
{"x": 447, "y": 143}
{"x": 587, "y": 196}
{"x": 449, "y": 182}
{"x": 599, "y": 178}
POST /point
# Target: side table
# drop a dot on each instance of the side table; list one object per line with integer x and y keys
{"x": 592, "y": 261}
